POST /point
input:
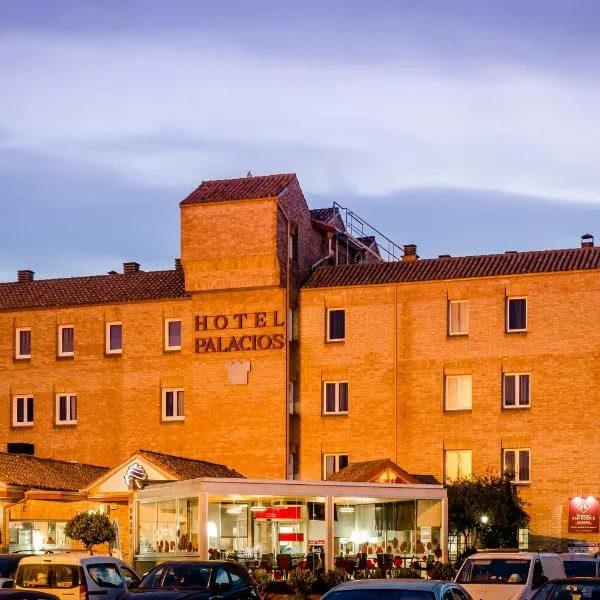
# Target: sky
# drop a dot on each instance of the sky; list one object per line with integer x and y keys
{"x": 464, "y": 127}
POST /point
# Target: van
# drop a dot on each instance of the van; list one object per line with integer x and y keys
{"x": 508, "y": 575}
{"x": 76, "y": 576}
{"x": 579, "y": 564}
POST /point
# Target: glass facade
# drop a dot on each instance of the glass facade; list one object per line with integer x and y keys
{"x": 37, "y": 535}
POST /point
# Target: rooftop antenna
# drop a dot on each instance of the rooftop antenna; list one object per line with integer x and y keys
{"x": 249, "y": 173}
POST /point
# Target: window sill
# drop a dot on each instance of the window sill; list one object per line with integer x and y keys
{"x": 22, "y": 359}
{"x": 335, "y": 414}
{"x": 113, "y": 354}
{"x": 65, "y": 423}
{"x": 173, "y": 349}
{"x": 65, "y": 357}
{"x": 516, "y": 331}
{"x": 172, "y": 419}
{"x": 458, "y": 335}
{"x": 457, "y": 410}
{"x": 509, "y": 408}
{"x": 340, "y": 341}
{"x": 21, "y": 425}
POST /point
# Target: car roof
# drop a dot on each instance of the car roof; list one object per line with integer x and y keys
{"x": 425, "y": 585}
{"x": 209, "y": 564}
{"x": 581, "y": 580}
{"x": 577, "y": 556}
{"x": 508, "y": 555}
{"x": 73, "y": 558}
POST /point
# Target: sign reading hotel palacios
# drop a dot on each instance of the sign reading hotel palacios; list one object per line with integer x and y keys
{"x": 239, "y": 343}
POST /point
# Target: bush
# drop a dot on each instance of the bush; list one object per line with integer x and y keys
{"x": 301, "y": 582}
{"x": 90, "y": 529}
{"x": 368, "y": 574}
{"x": 261, "y": 579}
{"x": 443, "y": 571}
{"x": 404, "y": 573}
{"x": 334, "y": 577}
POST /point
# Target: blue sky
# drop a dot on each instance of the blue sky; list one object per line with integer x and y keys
{"x": 465, "y": 127}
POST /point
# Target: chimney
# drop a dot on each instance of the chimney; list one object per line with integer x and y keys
{"x": 410, "y": 253}
{"x": 587, "y": 240}
{"x": 24, "y": 275}
{"x": 178, "y": 265}
{"x": 130, "y": 267}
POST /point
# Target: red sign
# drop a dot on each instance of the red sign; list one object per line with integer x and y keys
{"x": 291, "y": 537}
{"x": 279, "y": 512}
{"x": 583, "y": 515}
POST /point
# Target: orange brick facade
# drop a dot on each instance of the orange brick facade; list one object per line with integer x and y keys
{"x": 237, "y": 260}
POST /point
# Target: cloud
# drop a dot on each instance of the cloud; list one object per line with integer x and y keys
{"x": 173, "y": 112}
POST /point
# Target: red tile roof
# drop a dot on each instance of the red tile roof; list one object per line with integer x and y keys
{"x": 370, "y": 470}
{"x": 95, "y": 289}
{"x": 32, "y": 472}
{"x": 189, "y": 468}
{"x": 325, "y": 215}
{"x": 463, "y": 267}
{"x": 266, "y": 186}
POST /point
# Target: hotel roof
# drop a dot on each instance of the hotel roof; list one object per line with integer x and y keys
{"x": 32, "y": 472}
{"x": 189, "y": 468}
{"x": 95, "y": 289}
{"x": 462, "y": 267}
{"x": 244, "y": 188}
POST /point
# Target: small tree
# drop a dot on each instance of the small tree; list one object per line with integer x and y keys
{"x": 90, "y": 529}
{"x": 492, "y": 496}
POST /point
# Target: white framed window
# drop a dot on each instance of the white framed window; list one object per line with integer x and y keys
{"x": 23, "y": 342}
{"x": 458, "y": 393}
{"x": 66, "y": 340}
{"x": 66, "y": 409}
{"x": 114, "y": 338}
{"x": 332, "y": 463}
{"x": 172, "y": 334}
{"x": 516, "y": 464}
{"x": 458, "y": 464}
{"x": 336, "y": 324}
{"x": 335, "y": 397}
{"x": 516, "y": 314}
{"x": 172, "y": 405}
{"x": 458, "y": 317}
{"x": 516, "y": 390}
{"x": 22, "y": 411}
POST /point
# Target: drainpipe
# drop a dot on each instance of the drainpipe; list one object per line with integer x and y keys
{"x": 287, "y": 341}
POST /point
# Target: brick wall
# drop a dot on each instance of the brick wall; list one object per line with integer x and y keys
{"x": 397, "y": 351}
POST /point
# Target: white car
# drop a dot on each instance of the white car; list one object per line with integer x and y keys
{"x": 580, "y": 564}
{"x": 76, "y": 576}
{"x": 508, "y": 575}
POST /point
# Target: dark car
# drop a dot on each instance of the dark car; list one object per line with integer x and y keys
{"x": 225, "y": 580}
{"x": 570, "y": 588}
{"x": 397, "y": 589}
{"x": 26, "y": 595}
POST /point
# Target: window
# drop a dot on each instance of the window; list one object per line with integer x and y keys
{"x": 105, "y": 575}
{"x": 172, "y": 334}
{"x": 336, "y": 325}
{"x": 516, "y": 390}
{"x": 23, "y": 342}
{"x": 458, "y": 464}
{"x": 516, "y": 464}
{"x": 22, "y": 411}
{"x": 458, "y": 317}
{"x": 66, "y": 340}
{"x": 516, "y": 314}
{"x": 66, "y": 409}
{"x": 114, "y": 338}
{"x": 459, "y": 392}
{"x": 172, "y": 405}
{"x": 332, "y": 463}
{"x": 335, "y": 397}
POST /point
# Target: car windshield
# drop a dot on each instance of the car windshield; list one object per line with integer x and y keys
{"x": 177, "y": 576}
{"x": 8, "y": 567}
{"x": 580, "y": 568}
{"x": 494, "y": 570}
{"x": 378, "y": 594}
{"x": 569, "y": 591}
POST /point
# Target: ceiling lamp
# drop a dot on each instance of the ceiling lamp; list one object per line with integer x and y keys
{"x": 236, "y": 509}
{"x": 346, "y": 509}
{"x": 258, "y": 507}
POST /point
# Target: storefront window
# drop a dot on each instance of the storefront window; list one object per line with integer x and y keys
{"x": 168, "y": 526}
{"x": 37, "y": 535}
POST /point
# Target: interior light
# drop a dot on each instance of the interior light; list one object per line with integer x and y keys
{"x": 346, "y": 509}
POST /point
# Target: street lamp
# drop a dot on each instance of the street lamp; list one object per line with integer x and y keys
{"x": 484, "y": 519}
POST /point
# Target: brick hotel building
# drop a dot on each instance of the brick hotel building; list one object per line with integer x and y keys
{"x": 289, "y": 343}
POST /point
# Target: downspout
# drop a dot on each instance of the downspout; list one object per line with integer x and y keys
{"x": 287, "y": 340}
{"x": 396, "y": 371}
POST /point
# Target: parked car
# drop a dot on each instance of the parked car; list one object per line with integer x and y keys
{"x": 397, "y": 589}
{"x": 508, "y": 575}
{"x": 172, "y": 580}
{"x": 8, "y": 568}
{"x": 570, "y": 588}
{"x": 26, "y": 595}
{"x": 76, "y": 576}
{"x": 579, "y": 564}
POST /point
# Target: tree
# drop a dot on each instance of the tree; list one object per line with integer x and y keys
{"x": 91, "y": 529}
{"x": 486, "y": 510}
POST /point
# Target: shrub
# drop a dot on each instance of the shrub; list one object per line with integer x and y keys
{"x": 301, "y": 582}
{"x": 368, "y": 574}
{"x": 334, "y": 577}
{"x": 404, "y": 573}
{"x": 261, "y": 579}
{"x": 443, "y": 571}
